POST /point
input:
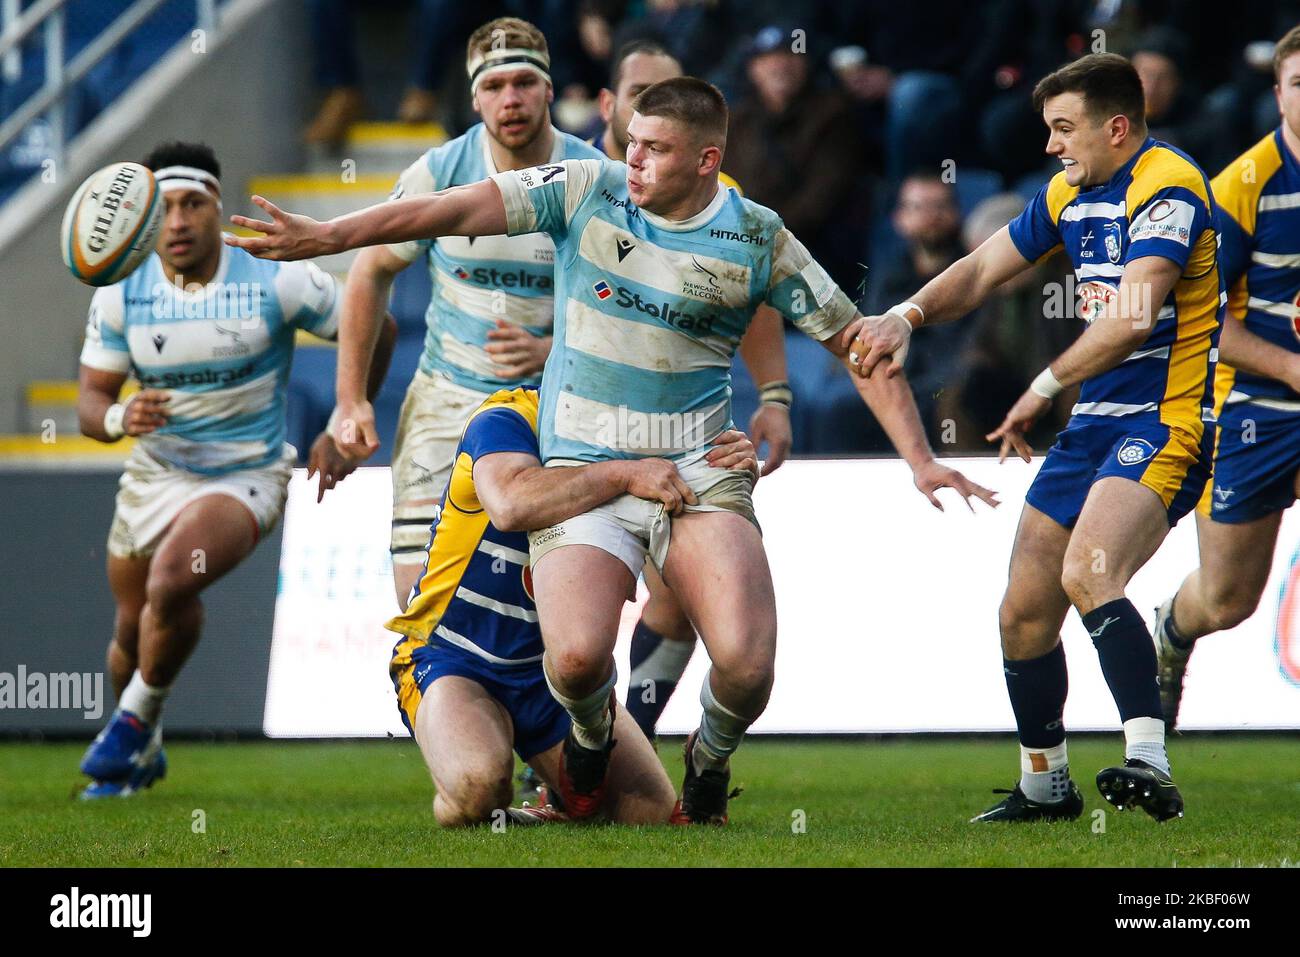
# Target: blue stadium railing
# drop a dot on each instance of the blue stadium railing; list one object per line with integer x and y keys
{"x": 63, "y": 62}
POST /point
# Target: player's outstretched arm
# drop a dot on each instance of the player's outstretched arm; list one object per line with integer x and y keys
{"x": 890, "y": 400}
{"x": 953, "y": 293}
{"x": 763, "y": 351}
{"x": 1127, "y": 319}
{"x": 520, "y": 494}
{"x": 473, "y": 210}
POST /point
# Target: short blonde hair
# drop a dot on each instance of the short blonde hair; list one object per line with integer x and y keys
{"x": 506, "y": 33}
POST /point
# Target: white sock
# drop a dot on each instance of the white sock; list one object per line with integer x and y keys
{"x": 720, "y": 732}
{"x": 1045, "y": 773}
{"x": 143, "y": 700}
{"x": 1144, "y": 739}
{"x": 592, "y": 719}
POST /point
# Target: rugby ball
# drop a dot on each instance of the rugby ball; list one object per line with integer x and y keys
{"x": 111, "y": 224}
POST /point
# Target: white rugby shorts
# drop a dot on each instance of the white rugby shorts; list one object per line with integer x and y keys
{"x": 151, "y": 494}
{"x": 633, "y": 529}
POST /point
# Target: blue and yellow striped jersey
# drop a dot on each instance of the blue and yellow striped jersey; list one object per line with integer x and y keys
{"x": 1157, "y": 204}
{"x": 1259, "y": 194}
{"x": 476, "y": 590}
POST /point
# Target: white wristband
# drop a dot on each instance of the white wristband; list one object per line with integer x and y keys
{"x": 113, "y": 420}
{"x": 903, "y": 308}
{"x": 1046, "y": 384}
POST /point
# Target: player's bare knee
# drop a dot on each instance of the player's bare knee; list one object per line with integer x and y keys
{"x": 578, "y": 670}
{"x": 482, "y": 792}
{"x": 449, "y": 814}
{"x": 1231, "y": 606}
{"x": 746, "y": 674}
{"x": 1088, "y": 582}
{"x": 171, "y": 587}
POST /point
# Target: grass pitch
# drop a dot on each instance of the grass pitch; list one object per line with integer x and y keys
{"x": 896, "y": 803}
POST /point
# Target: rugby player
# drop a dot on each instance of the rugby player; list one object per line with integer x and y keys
{"x": 659, "y": 271}
{"x": 209, "y": 333}
{"x": 468, "y": 670}
{"x": 1257, "y": 390}
{"x": 490, "y": 313}
{"x": 664, "y": 638}
{"x": 1139, "y": 224}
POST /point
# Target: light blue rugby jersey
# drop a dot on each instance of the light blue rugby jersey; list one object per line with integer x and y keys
{"x": 477, "y": 281}
{"x": 648, "y": 312}
{"x": 223, "y": 354}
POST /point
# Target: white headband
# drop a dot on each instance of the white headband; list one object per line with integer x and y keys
{"x": 188, "y": 177}
{"x": 482, "y": 65}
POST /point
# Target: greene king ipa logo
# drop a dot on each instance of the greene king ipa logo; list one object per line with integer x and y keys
{"x": 1286, "y": 639}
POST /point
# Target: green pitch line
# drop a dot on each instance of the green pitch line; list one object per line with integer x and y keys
{"x": 896, "y": 803}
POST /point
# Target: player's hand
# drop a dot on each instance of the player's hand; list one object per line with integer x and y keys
{"x": 1029, "y": 408}
{"x": 287, "y": 236}
{"x": 872, "y": 339}
{"x": 932, "y": 476}
{"x": 146, "y": 411}
{"x": 771, "y": 424}
{"x": 517, "y": 351}
{"x": 657, "y": 480}
{"x": 332, "y": 464}
{"x": 734, "y": 450}
{"x": 354, "y": 430}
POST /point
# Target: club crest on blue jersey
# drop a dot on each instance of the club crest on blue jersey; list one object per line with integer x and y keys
{"x": 1135, "y": 451}
{"x": 1114, "y": 241}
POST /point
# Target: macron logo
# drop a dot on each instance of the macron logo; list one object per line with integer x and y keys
{"x": 1104, "y": 625}
{"x": 103, "y": 910}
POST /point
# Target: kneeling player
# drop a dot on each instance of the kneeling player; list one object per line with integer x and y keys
{"x": 468, "y": 671}
{"x": 209, "y": 333}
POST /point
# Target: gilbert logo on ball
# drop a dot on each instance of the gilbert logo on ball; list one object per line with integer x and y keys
{"x": 111, "y": 224}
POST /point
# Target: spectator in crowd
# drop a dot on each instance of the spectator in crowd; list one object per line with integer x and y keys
{"x": 1025, "y": 324}
{"x": 1021, "y": 42}
{"x": 438, "y": 36}
{"x": 905, "y": 71}
{"x": 695, "y": 32}
{"x": 927, "y": 219}
{"x": 1174, "y": 112}
{"x": 795, "y": 149}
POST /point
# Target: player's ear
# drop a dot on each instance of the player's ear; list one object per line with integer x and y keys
{"x": 550, "y": 93}
{"x": 710, "y": 160}
{"x": 605, "y": 100}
